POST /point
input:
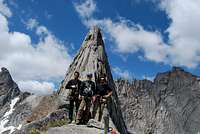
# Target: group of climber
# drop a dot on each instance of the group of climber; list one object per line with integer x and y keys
{"x": 87, "y": 97}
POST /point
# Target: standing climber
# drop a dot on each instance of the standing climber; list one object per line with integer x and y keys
{"x": 103, "y": 92}
{"x": 73, "y": 94}
{"x": 86, "y": 93}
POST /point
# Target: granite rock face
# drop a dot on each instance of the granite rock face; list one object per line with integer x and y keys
{"x": 169, "y": 105}
{"x": 92, "y": 58}
{"x": 74, "y": 129}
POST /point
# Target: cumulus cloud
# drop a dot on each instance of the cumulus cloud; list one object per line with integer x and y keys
{"x": 4, "y": 9}
{"x": 35, "y": 66}
{"x": 121, "y": 73}
{"x": 37, "y": 87}
{"x": 184, "y": 31}
{"x": 131, "y": 38}
{"x": 182, "y": 48}
{"x": 32, "y": 23}
{"x": 85, "y": 9}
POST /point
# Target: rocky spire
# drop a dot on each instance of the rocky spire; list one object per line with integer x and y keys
{"x": 92, "y": 58}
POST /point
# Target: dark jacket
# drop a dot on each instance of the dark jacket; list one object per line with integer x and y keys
{"x": 74, "y": 85}
{"x": 103, "y": 89}
{"x": 87, "y": 88}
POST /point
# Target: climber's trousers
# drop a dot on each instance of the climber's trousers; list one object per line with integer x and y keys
{"x": 84, "y": 111}
{"x": 71, "y": 107}
{"x": 99, "y": 106}
{"x": 101, "y": 109}
{"x": 95, "y": 107}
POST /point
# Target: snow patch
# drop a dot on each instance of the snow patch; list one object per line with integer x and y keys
{"x": 5, "y": 120}
{"x": 13, "y": 102}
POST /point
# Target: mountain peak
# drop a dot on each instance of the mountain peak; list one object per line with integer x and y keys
{"x": 3, "y": 69}
{"x": 95, "y": 29}
{"x": 92, "y": 58}
{"x": 5, "y": 75}
{"x": 175, "y": 68}
{"x": 8, "y": 88}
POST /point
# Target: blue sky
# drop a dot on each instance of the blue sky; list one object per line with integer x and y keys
{"x": 142, "y": 37}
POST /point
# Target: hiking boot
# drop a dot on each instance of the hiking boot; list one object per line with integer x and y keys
{"x": 78, "y": 122}
{"x": 73, "y": 122}
{"x": 69, "y": 121}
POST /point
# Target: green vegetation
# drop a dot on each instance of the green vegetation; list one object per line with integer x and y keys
{"x": 57, "y": 123}
{"x": 33, "y": 131}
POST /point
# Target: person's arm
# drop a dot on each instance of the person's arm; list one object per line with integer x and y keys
{"x": 81, "y": 90}
{"x": 109, "y": 92}
{"x": 79, "y": 86}
{"x": 94, "y": 88}
{"x": 97, "y": 90}
{"x": 94, "y": 92}
{"x": 68, "y": 86}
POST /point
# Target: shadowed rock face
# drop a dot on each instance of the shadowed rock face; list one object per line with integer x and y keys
{"x": 26, "y": 107}
{"x": 169, "y": 105}
{"x": 30, "y": 111}
{"x": 92, "y": 58}
{"x": 8, "y": 92}
{"x": 8, "y": 88}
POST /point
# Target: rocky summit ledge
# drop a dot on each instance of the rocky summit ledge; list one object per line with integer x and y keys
{"x": 74, "y": 129}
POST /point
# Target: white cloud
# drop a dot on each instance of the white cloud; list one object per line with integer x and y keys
{"x": 37, "y": 87}
{"x": 34, "y": 65}
{"x": 184, "y": 34}
{"x": 184, "y": 31}
{"x": 151, "y": 78}
{"x": 121, "y": 73}
{"x": 130, "y": 38}
{"x": 42, "y": 30}
{"x": 85, "y": 9}
{"x": 32, "y": 23}
{"x": 4, "y": 9}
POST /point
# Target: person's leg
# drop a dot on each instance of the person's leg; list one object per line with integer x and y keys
{"x": 87, "y": 111}
{"x": 71, "y": 108}
{"x": 95, "y": 108}
{"x": 80, "y": 111}
{"x": 101, "y": 108}
{"x": 77, "y": 104}
{"x": 106, "y": 120}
